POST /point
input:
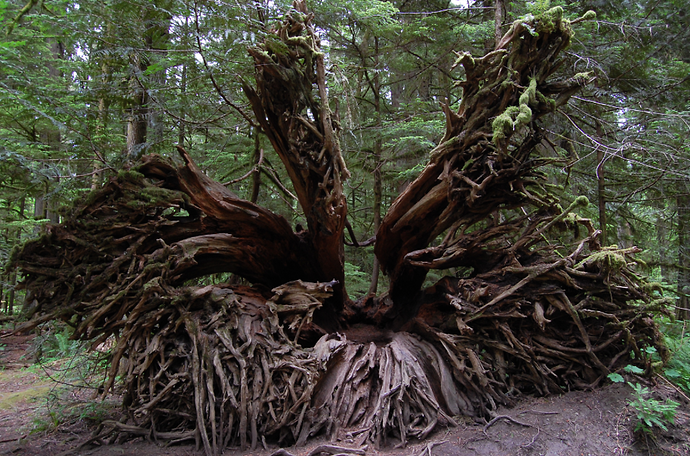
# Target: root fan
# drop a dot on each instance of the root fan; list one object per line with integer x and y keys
{"x": 535, "y": 307}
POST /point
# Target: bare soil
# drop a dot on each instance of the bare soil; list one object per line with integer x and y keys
{"x": 598, "y": 422}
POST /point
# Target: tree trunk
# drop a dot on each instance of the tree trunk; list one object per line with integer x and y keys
{"x": 683, "y": 304}
{"x": 144, "y": 124}
{"x": 499, "y": 16}
{"x": 157, "y": 39}
{"x": 181, "y": 129}
{"x": 284, "y": 106}
{"x": 375, "y": 82}
{"x": 665, "y": 250}
{"x": 601, "y": 188}
{"x": 137, "y": 121}
{"x": 257, "y": 159}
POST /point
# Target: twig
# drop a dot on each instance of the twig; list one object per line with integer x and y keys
{"x": 332, "y": 449}
{"x": 281, "y": 452}
{"x": 16, "y": 439}
{"x": 537, "y": 412}
{"x": 674, "y": 387}
{"x": 503, "y": 417}
{"x": 618, "y": 421}
{"x": 533, "y": 439}
{"x": 427, "y": 449}
{"x": 255, "y": 169}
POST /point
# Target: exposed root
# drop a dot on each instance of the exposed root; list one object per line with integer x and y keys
{"x": 400, "y": 387}
{"x": 496, "y": 419}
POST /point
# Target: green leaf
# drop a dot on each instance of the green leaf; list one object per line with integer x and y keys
{"x": 153, "y": 68}
{"x": 615, "y": 377}
{"x": 673, "y": 373}
{"x": 633, "y": 369}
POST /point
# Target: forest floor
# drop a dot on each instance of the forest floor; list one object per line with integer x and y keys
{"x": 39, "y": 416}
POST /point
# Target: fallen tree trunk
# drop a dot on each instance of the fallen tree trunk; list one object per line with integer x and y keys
{"x": 541, "y": 309}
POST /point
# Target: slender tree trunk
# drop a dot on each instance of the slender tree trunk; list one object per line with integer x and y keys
{"x": 13, "y": 236}
{"x": 103, "y": 106}
{"x": 157, "y": 39}
{"x": 601, "y": 188}
{"x": 683, "y": 205}
{"x": 376, "y": 83}
{"x": 101, "y": 127}
{"x": 498, "y": 20}
{"x": 44, "y": 208}
{"x": 662, "y": 236}
{"x": 183, "y": 89}
{"x": 257, "y": 158}
{"x": 11, "y": 295}
{"x": 137, "y": 112}
{"x": 50, "y": 136}
{"x": 144, "y": 124}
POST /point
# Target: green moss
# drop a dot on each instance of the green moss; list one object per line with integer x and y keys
{"x": 297, "y": 16}
{"x": 135, "y": 204}
{"x": 130, "y": 176}
{"x": 582, "y": 78}
{"x": 609, "y": 258}
{"x": 550, "y": 20}
{"x": 503, "y": 124}
{"x": 515, "y": 116}
{"x": 277, "y": 47}
{"x": 571, "y": 219}
{"x": 10, "y": 400}
{"x": 301, "y": 41}
{"x": 443, "y": 148}
{"x": 155, "y": 282}
{"x": 524, "y": 117}
{"x": 661, "y": 304}
{"x": 154, "y": 194}
{"x": 550, "y": 102}
{"x": 529, "y": 96}
{"x": 581, "y": 201}
{"x": 466, "y": 60}
{"x": 589, "y": 16}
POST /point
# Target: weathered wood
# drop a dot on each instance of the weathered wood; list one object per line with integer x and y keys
{"x": 299, "y": 124}
{"x": 483, "y": 163}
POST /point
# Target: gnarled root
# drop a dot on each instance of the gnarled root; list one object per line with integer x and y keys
{"x": 394, "y": 384}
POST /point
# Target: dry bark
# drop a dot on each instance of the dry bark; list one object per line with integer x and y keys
{"x": 541, "y": 308}
{"x": 299, "y": 124}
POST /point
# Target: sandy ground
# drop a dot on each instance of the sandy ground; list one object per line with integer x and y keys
{"x": 578, "y": 423}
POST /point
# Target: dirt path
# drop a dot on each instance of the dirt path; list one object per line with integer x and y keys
{"x": 577, "y": 423}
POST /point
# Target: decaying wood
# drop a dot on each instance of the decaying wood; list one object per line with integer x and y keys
{"x": 484, "y": 163}
{"x": 541, "y": 307}
{"x": 299, "y": 124}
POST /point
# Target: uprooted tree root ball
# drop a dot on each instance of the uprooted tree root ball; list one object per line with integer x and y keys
{"x": 542, "y": 308}
{"x": 223, "y": 364}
